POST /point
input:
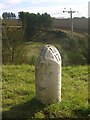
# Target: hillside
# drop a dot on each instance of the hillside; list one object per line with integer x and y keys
{"x": 73, "y": 50}
{"x": 11, "y": 22}
{"x": 21, "y": 49}
{"x": 19, "y": 94}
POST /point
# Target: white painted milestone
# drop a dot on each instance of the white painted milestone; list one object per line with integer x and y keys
{"x": 48, "y": 75}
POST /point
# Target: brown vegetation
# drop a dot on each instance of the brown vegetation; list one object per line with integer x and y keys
{"x": 79, "y": 24}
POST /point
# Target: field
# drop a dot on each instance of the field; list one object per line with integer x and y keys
{"x": 18, "y": 73}
{"x": 79, "y": 24}
{"x": 19, "y": 94}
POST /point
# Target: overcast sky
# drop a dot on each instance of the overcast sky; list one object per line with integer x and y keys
{"x": 53, "y": 7}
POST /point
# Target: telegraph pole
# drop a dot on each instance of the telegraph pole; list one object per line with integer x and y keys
{"x": 71, "y": 18}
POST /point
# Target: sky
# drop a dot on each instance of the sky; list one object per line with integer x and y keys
{"x": 53, "y": 7}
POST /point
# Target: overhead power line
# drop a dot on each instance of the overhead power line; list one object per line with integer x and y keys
{"x": 70, "y": 12}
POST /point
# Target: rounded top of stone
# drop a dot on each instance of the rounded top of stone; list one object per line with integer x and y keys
{"x": 49, "y": 52}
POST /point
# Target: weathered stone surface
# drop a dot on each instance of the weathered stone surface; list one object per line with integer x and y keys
{"x": 48, "y": 75}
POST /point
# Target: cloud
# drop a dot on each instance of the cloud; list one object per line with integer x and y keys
{"x": 2, "y": 5}
{"x": 37, "y": 1}
{"x": 8, "y": 3}
{"x": 13, "y": 1}
{"x": 53, "y": 7}
{"x": 89, "y": 9}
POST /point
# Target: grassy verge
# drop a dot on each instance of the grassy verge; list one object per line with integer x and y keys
{"x": 19, "y": 94}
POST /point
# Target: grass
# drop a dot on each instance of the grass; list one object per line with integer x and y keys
{"x": 18, "y": 90}
{"x": 74, "y": 33}
{"x": 73, "y": 50}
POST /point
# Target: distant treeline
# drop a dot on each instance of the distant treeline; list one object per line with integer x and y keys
{"x": 30, "y": 22}
{"x": 8, "y": 15}
{"x": 33, "y": 23}
{"x": 37, "y": 21}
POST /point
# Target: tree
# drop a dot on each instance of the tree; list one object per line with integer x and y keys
{"x": 46, "y": 21}
{"x": 8, "y": 15}
{"x": 33, "y": 23}
{"x": 12, "y": 37}
{"x": 4, "y": 15}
